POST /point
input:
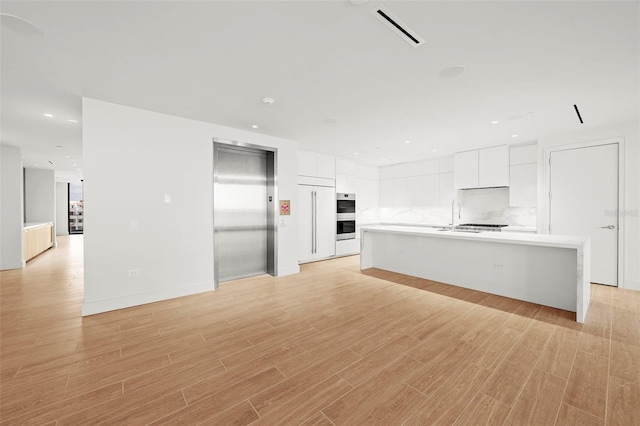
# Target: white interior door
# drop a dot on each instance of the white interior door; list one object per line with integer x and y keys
{"x": 584, "y": 201}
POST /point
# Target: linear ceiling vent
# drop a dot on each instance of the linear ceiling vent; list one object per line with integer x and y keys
{"x": 397, "y": 26}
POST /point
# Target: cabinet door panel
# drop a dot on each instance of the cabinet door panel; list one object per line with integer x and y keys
{"x": 523, "y": 185}
{"x": 447, "y": 190}
{"x": 325, "y": 222}
{"x": 399, "y": 195}
{"x": 305, "y": 213}
{"x": 466, "y": 169}
{"x": 386, "y": 193}
{"x": 307, "y": 164}
{"x": 414, "y": 191}
{"x": 431, "y": 190}
{"x": 326, "y": 166}
{"x": 493, "y": 166}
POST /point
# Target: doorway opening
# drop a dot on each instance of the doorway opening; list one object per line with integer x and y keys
{"x": 76, "y": 207}
{"x": 244, "y": 210}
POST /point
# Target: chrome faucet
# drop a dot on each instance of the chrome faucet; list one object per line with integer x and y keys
{"x": 453, "y": 204}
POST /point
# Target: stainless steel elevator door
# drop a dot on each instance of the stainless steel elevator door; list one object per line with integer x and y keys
{"x": 240, "y": 213}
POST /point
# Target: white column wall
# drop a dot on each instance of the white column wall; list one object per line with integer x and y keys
{"x": 62, "y": 208}
{"x": 11, "y": 202}
{"x": 132, "y": 158}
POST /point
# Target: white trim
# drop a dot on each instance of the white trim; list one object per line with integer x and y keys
{"x": 621, "y": 187}
{"x": 632, "y": 284}
{"x": 283, "y": 272}
{"x": 99, "y": 306}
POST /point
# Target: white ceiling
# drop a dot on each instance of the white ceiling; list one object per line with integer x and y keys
{"x": 342, "y": 81}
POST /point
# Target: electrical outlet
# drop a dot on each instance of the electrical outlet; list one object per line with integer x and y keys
{"x": 134, "y": 272}
{"x": 497, "y": 266}
{"x": 133, "y": 224}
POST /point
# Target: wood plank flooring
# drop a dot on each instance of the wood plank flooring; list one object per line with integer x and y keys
{"x": 329, "y": 346}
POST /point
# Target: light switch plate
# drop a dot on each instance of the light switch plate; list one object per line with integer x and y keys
{"x": 167, "y": 198}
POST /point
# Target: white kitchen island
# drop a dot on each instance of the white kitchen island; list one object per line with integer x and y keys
{"x": 549, "y": 270}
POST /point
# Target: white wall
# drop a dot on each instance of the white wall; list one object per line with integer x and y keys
{"x": 631, "y": 213}
{"x": 11, "y": 201}
{"x": 62, "y": 208}
{"x": 132, "y": 158}
{"x": 40, "y": 193}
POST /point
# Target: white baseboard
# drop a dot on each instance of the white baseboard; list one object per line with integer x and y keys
{"x": 99, "y": 306}
{"x": 632, "y": 284}
{"x": 18, "y": 264}
{"x": 282, "y": 272}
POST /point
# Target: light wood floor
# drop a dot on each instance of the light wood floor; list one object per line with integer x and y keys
{"x": 329, "y": 346}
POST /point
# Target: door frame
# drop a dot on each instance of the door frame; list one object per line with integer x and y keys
{"x": 271, "y": 233}
{"x": 621, "y": 217}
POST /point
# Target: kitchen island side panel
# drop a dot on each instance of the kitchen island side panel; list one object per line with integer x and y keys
{"x": 538, "y": 274}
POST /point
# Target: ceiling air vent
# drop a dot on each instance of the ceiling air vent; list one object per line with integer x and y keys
{"x": 397, "y": 26}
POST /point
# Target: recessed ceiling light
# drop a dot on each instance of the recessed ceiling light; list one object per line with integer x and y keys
{"x": 514, "y": 136}
{"x": 72, "y": 120}
{"x": 48, "y": 115}
{"x": 255, "y": 126}
{"x": 67, "y": 157}
{"x": 494, "y": 122}
{"x": 36, "y": 164}
{"x": 74, "y": 164}
{"x": 268, "y": 101}
{"x": 384, "y": 159}
{"x": 434, "y": 150}
{"x": 355, "y": 153}
{"x": 407, "y": 141}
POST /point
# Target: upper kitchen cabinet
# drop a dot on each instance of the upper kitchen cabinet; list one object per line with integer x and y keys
{"x": 313, "y": 164}
{"x": 466, "y": 169}
{"x": 482, "y": 168}
{"x": 345, "y": 175}
{"x": 523, "y": 176}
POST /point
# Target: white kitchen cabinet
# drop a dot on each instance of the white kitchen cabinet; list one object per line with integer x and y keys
{"x": 446, "y": 164}
{"x": 447, "y": 189}
{"x": 431, "y": 190}
{"x": 493, "y": 166}
{"x": 523, "y": 179}
{"x": 345, "y": 183}
{"x": 414, "y": 169}
{"x": 313, "y": 164}
{"x": 386, "y": 172}
{"x": 399, "y": 170}
{"x": 386, "y": 193}
{"x": 414, "y": 191}
{"x": 316, "y": 223}
{"x": 431, "y": 167}
{"x": 399, "y": 194}
{"x": 466, "y": 169}
{"x": 482, "y": 168}
{"x": 523, "y": 185}
{"x": 345, "y": 166}
{"x": 523, "y": 154}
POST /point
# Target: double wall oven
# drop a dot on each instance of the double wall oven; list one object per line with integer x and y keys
{"x": 346, "y": 216}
